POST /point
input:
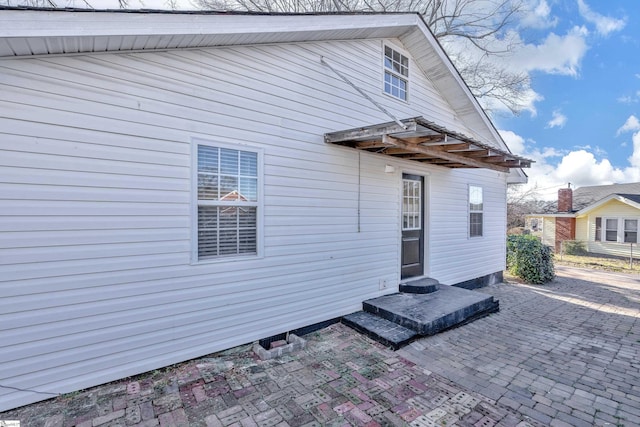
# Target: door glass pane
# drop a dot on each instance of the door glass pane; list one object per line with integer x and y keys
{"x": 411, "y": 205}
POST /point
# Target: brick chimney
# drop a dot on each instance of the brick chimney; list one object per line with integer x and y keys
{"x": 565, "y": 200}
{"x": 565, "y": 226}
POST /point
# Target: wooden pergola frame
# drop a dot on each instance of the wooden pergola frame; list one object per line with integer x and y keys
{"x": 421, "y": 140}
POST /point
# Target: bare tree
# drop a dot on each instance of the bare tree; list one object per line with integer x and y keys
{"x": 474, "y": 33}
{"x": 522, "y": 201}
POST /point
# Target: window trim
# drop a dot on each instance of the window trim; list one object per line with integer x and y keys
{"x": 259, "y": 204}
{"x": 471, "y": 211}
{"x": 385, "y": 70}
{"x": 624, "y": 230}
{"x": 620, "y": 229}
{"x": 605, "y": 229}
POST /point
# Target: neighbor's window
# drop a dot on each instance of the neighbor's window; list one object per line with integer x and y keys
{"x": 227, "y": 198}
{"x": 598, "y": 237}
{"x": 475, "y": 211}
{"x": 611, "y": 229}
{"x": 631, "y": 231}
{"x": 396, "y": 73}
{"x": 535, "y": 224}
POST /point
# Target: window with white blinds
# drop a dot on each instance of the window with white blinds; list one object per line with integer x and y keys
{"x": 227, "y": 194}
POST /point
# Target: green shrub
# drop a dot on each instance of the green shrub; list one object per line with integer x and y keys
{"x": 529, "y": 259}
{"x": 574, "y": 247}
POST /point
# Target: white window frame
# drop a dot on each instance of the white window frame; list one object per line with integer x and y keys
{"x": 475, "y": 211}
{"x": 395, "y": 74}
{"x": 195, "y": 203}
{"x": 624, "y": 230}
{"x": 604, "y": 235}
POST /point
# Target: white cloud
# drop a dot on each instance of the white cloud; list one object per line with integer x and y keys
{"x": 514, "y": 141}
{"x": 556, "y": 55}
{"x": 581, "y": 167}
{"x": 626, "y": 99}
{"x": 631, "y": 125}
{"x": 604, "y": 24}
{"x": 634, "y": 159}
{"x": 558, "y": 120}
{"x": 539, "y": 16}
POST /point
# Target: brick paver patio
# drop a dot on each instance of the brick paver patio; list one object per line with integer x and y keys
{"x": 560, "y": 354}
{"x": 566, "y": 353}
{"x": 340, "y": 379}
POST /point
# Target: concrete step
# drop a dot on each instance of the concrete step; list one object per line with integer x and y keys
{"x": 423, "y": 285}
{"x": 379, "y": 329}
{"x": 428, "y": 314}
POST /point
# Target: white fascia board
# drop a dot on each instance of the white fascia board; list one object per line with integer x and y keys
{"x": 517, "y": 176}
{"x": 553, "y": 215}
{"x": 39, "y": 23}
{"x": 607, "y": 199}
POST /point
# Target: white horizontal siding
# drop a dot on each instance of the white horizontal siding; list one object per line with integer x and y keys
{"x": 549, "y": 232}
{"x": 95, "y": 271}
{"x": 456, "y": 257}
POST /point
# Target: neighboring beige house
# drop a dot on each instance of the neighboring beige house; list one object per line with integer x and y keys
{"x": 605, "y": 217}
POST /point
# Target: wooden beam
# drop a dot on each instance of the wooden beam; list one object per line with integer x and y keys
{"x": 369, "y": 132}
{"x": 425, "y": 139}
{"x": 478, "y": 153}
{"x": 463, "y": 146}
{"x": 454, "y": 158}
{"x": 397, "y": 151}
{"x": 364, "y": 145}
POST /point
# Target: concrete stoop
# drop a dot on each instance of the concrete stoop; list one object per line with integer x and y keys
{"x": 422, "y": 308}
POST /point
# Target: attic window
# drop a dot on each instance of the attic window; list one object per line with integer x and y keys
{"x": 396, "y": 73}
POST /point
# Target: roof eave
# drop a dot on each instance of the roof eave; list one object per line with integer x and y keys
{"x": 31, "y": 32}
{"x": 606, "y": 200}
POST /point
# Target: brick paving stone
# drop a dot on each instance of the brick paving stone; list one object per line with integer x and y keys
{"x": 549, "y": 357}
{"x": 104, "y": 419}
{"x": 569, "y": 343}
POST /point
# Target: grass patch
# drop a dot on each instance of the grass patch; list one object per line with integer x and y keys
{"x": 620, "y": 265}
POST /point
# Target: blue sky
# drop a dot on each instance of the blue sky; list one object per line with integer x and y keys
{"x": 581, "y": 124}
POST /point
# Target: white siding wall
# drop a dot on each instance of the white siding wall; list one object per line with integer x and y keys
{"x": 95, "y": 274}
{"x": 549, "y": 231}
{"x": 586, "y": 229}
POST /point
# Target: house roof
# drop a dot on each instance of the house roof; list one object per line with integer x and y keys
{"x": 633, "y": 197}
{"x": 26, "y": 32}
{"x": 584, "y": 196}
{"x": 628, "y": 199}
{"x": 632, "y": 200}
